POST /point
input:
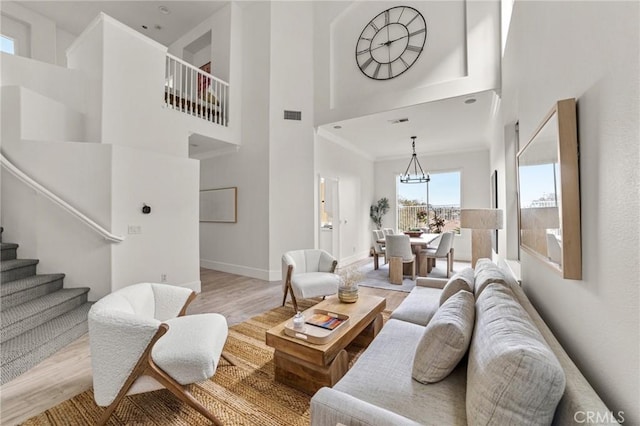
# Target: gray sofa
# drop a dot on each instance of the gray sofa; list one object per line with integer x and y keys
{"x": 379, "y": 388}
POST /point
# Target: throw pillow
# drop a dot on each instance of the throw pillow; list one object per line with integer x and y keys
{"x": 462, "y": 280}
{"x": 487, "y": 272}
{"x": 445, "y": 339}
{"x": 513, "y": 377}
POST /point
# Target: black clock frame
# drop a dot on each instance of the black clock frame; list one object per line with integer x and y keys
{"x": 362, "y": 67}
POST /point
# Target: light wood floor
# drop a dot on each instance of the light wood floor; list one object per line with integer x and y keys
{"x": 68, "y": 372}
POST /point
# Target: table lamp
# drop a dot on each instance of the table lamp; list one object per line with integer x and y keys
{"x": 482, "y": 222}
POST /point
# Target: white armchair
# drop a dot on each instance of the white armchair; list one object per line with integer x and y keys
{"x": 308, "y": 273}
{"x": 141, "y": 341}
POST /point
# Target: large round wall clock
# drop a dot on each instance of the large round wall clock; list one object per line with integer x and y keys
{"x": 391, "y": 43}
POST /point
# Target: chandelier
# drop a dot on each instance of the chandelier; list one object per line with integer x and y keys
{"x": 421, "y": 177}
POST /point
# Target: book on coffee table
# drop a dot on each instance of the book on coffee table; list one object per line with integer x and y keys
{"x": 327, "y": 321}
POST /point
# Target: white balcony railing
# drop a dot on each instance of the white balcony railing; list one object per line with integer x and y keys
{"x": 195, "y": 92}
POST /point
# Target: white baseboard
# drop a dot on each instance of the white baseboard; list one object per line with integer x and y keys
{"x": 346, "y": 261}
{"x": 247, "y": 271}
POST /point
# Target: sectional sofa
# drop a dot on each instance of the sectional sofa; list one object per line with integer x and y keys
{"x": 418, "y": 370}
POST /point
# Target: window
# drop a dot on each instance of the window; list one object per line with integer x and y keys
{"x": 7, "y": 45}
{"x": 435, "y": 206}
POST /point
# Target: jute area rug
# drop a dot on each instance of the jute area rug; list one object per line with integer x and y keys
{"x": 245, "y": 394}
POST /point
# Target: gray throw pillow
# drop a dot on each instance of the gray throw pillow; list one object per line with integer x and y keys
{"x": 445, "y": 339}
{"x": 462, "y": 280}
{"x": 513, "y": 378}
{"x": 487, "y": 272}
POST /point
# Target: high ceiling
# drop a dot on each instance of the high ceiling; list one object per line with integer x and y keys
{"x": 456, "y": 124}
{"x": 74, "y": 16}
{"x": 443, "y": 126}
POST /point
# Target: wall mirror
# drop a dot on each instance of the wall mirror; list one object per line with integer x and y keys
{"x": 549, "y": 192}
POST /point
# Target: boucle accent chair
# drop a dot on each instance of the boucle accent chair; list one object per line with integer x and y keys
{"x": 444, "y": 249}
{"x": 142, "y": 341}
{"x": 308, "y": 273}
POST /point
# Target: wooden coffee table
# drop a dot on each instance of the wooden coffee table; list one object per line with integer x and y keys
{"x": 309, "y": 367}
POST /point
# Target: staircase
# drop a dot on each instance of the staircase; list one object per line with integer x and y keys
{"x": 38, "y": 315}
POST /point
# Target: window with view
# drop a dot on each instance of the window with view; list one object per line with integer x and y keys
{"x": 7, "y": 45}
{"x": 432, "y": 207}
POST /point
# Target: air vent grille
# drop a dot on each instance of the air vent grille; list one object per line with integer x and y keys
{"x": 399, "y": 120}
{"x": 292, "y": 115}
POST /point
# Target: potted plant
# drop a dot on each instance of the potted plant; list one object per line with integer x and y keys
{"x": 422, "y": 216}
{"x": 378, "y": 210}
{"x": 436, "y": 224}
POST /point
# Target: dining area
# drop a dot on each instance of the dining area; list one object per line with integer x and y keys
{"x": 412, "y": 253}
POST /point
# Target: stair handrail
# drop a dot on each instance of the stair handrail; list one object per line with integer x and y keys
{"x": 11, "y": 168}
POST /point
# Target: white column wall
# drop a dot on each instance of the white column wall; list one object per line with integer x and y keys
{"x": 243, "y": 247}
{"x": 167, "y": 244}
{"x": 474, "y": 180}
{"x": 588, "y": 50}
{"x": 291, "y": 172}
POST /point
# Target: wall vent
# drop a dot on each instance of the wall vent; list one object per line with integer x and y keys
{"x": 292, "y": 115}
{"x": 399, "y": 120}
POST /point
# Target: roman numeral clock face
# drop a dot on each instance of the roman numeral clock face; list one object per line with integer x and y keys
{"x": 391, "y": 43}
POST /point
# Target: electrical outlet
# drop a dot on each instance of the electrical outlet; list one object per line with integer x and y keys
{"x": 163, "y": 278}
{"x": 134, "y": 229}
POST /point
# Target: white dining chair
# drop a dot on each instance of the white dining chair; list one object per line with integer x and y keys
{"x": 378, "y": 249}
{"x": 399, "y": 253}
{"x": 444, "y": 249}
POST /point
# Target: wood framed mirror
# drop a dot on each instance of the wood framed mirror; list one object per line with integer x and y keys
{"x": 549, "y": 192}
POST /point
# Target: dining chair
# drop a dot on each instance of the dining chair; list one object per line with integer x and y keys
{"x": 378, "y": 249}
{"x": 388, "y": 231}
{"x": 399, "y": 253}
{"x": 444, "y": 249}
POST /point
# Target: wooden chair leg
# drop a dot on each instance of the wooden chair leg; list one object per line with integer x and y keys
{"x": 451, "y": 252}
{"x": 138, "y": 370}
{"x": 395, "y": 270}
{"x": 284, "y": 298}
{"x": 179, "y": 391}
{"x": 227, "y": 358}
{"x": 294, "y": 301}
{"x": 429, "y": 265}
{"x": 376, "y": 263}
{"x": 413, "y": 269}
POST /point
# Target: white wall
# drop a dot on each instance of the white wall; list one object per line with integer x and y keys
{"x": 42, "y": 31}
{"x": 588, "y": 50}
{"x": 79, "y": 174}
{"x": 20, "y": 33}
{"x": 168, "y": 242}
{"x": 355, "y": 174}
{"x": 291, "y": 174}
{"x": 470, "y": 33}
{"x": 243, "y": 247}
{"x": 474, "y": 193}
{"x": 64, "y": 40}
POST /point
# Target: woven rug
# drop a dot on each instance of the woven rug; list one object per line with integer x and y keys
{"x": 245, "y": 394}
{"x": 380, "y": 278}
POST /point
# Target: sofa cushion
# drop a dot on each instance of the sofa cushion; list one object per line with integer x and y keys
{"x": 382, "y": 376}
{"x": 513, "y": 377}
{"x": 463, "y": 280}
{"x": 446, "y": 339}
{"x": 487, "y": 272}
{"x": 419, "y": 306}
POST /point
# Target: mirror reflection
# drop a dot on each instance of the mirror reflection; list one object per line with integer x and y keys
{"x": 539, "y": 177}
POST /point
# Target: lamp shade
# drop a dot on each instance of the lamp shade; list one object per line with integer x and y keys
{"x": 481, "y": 218}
